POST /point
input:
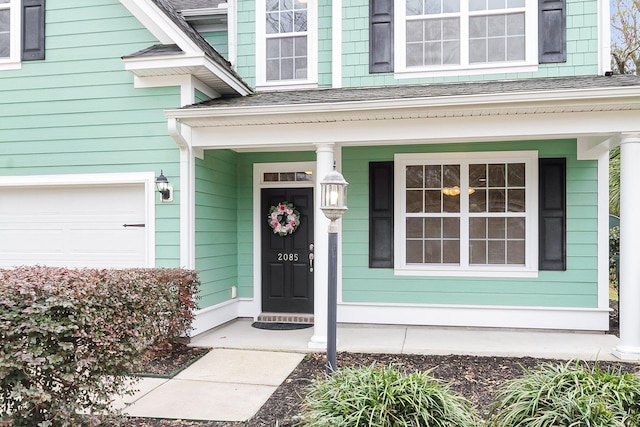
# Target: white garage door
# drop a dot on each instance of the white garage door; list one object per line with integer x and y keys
{"x": 73, "y": 226}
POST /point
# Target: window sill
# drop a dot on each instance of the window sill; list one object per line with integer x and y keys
{"x": 10, "y": 65}
{"x": 291, "y": 84}
{"x": 457, "y": 272}
{"x": 466, "y": 71}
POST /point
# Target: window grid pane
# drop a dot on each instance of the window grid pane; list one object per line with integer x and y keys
{"x": 505, "y": 243}
{"x": 494, "y": 238}
{"x": 496, "y": 32}
{"x": 497, "y": 38}
{"x": 286, "y": 25}
{"x": 496, "y": 224}
{"x": 433, "y": 41}
{"x": 433, "y": 240}
{"x": 287, "y": 58}
{"x": 5, "y": 34}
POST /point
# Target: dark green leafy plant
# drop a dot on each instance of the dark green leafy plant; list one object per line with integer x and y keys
{"x": 570, "y": 395}
{"x": 384, "y": 396}
{"x": 70, "y": 337}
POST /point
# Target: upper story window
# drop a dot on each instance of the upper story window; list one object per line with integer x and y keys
{"x": 21, "y": 32}
{"x": 467, "y": 214}
{"x": 286, "y": 51}
{"x": 441, "y": 35}
{"x": 9, "y": 31}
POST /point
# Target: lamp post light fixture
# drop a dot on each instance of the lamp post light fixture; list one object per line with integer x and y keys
{"x": 164, "y": 188}
{"x": 333, "y": 203}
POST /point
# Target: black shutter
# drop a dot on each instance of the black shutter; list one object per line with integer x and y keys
{"x": 552, "y": 226}
{"x": 380, "y": 36}
{"x": 381, "y": 215}
{"x": 552, "y": 31}
{"x": 32, "y": 30}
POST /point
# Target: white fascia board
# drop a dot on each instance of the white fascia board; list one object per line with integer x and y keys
{"x": 141, "y": 65}
{"x": 206, "y": 11}
{"x": 159, "y": 24}
{"x": 505, "y": 101}
{"x": 414, "y": 131}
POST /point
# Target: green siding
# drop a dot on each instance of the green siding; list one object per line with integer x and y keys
{"x": 219, "y": 40}
{"x": 200, "y": 97}
{"x": 576, "y": 287}
{"x": 324, "y": 43}
{"x": 78, "y": 112}
{"x": 246, "y": 65}
{"x": 216, "y": 225}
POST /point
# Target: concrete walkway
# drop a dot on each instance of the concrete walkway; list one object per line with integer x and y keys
{"x": 246, "y": 365}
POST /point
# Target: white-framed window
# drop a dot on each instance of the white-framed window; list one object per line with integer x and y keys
{"x": 286, "y": 43}
{"x": 436, "y": 37}
{"x": 9, "y": 34}
{"x": 467, "y": 214}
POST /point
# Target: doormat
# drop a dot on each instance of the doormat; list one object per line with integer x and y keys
{"x": 280, "y": 326}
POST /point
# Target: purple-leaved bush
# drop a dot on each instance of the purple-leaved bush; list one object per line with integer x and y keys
{"x": 70, "y": 337}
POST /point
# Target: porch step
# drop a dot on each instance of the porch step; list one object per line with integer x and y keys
{"x": 286, "y": 318}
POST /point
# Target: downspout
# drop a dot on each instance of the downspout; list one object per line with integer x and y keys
{"x": 181, "y": 134}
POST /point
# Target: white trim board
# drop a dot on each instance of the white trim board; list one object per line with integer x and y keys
{"x": 562, "y": 318}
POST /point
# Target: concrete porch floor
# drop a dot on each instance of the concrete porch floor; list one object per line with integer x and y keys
{"x": 239, "y": 334}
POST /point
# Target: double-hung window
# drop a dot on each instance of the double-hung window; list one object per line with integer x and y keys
{"x": 445, "y": 35}
{"x": 22, "y": 37}
{"x": 465, "y": 214}
{"x": 286, "y": 48}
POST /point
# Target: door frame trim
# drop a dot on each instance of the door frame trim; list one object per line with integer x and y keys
{"x": 76, "y": 180}
{"x": 258, "y": 184}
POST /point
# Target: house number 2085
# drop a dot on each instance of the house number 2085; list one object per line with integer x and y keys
{"x": 287, "y": 257}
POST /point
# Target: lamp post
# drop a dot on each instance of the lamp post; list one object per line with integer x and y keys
{"x": 333, "y": 203}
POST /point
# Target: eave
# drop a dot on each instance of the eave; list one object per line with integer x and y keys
{"x": 199, "y": 66}
{"x": 477, "y": 105}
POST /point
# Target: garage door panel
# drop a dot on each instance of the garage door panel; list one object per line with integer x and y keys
{"x": 73, "y": 226}
{"x": 23, "y": 240}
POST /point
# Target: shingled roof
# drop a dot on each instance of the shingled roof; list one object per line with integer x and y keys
{"x": 380, "y": 93}
{"x": 177, "y": 19}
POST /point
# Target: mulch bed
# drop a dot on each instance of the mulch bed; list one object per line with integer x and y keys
{"x": 476, "y": 378}
{"x": 169, "y": 362}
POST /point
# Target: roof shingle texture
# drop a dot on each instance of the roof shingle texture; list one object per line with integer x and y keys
{"x": 316, "y": 96}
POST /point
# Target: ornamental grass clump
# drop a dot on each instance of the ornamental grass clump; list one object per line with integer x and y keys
{"x": 384, "y": 396}
{"x": 571, "y": 394}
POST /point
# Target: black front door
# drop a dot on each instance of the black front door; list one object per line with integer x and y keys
{"x": 287, "y": 261}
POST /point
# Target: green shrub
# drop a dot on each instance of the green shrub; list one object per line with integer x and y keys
{"x": 614, "y": 254}
{"x": 69, "y": 337}
{"x": 568, "y": 395}
{"x": 384, "y": 396}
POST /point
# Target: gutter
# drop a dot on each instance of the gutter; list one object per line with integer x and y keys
{"x": 569, "y": 97}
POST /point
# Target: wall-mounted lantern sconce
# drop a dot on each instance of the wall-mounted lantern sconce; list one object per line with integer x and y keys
{"x": 164, "y": 188}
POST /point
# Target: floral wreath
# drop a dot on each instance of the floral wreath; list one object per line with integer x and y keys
{"x": 284, "y": 219}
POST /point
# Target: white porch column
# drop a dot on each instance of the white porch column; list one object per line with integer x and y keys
{"x": 324, "y": 165}
{"x": 629, "y": 346}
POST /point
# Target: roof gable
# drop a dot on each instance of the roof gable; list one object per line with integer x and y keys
{"x": 198, "y": 58}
